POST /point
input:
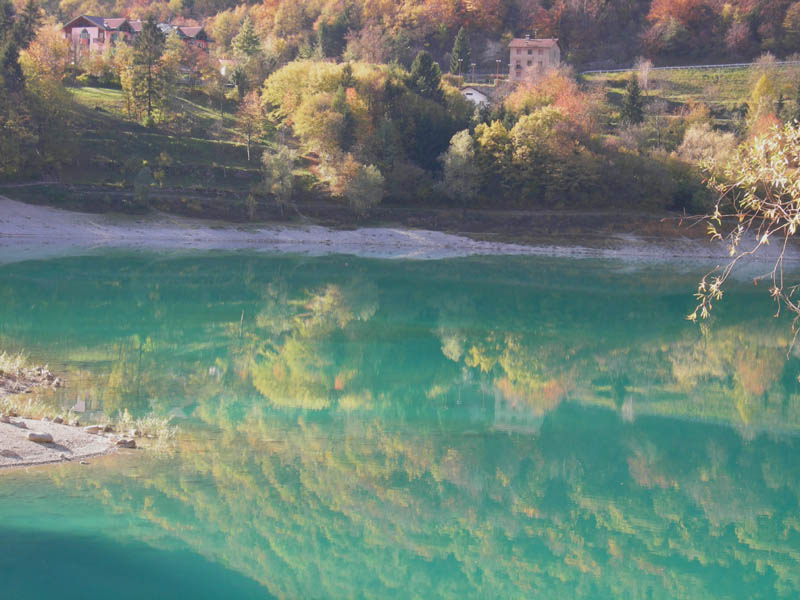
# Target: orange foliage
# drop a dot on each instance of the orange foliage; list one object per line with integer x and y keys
{"x": 683, "y": 11}
{"x": 559, "y": 90}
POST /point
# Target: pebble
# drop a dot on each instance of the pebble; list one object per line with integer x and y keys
{"x": 40, "y": 438}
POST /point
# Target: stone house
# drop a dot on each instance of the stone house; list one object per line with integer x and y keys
{"x": 531, "y": 57}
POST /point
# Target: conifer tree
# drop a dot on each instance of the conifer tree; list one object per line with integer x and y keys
{"x": 461, "y": 50}
{"x": 632, "y": 103}
{"x": 425, "y": 76}
{"x": 149, "y": 83}
{"x": 246, "y": 43}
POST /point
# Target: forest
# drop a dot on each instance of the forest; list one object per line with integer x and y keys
{"x": 359, "y": 102}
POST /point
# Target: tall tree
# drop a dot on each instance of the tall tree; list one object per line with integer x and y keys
{"x": 461, "y": 51}
{"x": 632, "y": 103}
{"x": 426, "y": 76}
{"x": 246, "y": 43}
{"x": 148, "y": 81}
{"x": 10, "y": 71}
{"x": 250, "y": 119}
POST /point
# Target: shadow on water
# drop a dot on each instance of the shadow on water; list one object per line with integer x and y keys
{"x": 36, "y": 564}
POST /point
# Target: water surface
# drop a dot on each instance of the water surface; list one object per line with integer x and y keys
{"x": 488, "y": 427}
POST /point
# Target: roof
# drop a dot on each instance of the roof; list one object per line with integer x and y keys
{"x": 533, "y": 43}
{"x": 474, "y": 89}
{"x": 190, "y": 32}
{"x": 136, "y": 25}
{"x": 95, "y": 21}
{"x": 114, "y": 23}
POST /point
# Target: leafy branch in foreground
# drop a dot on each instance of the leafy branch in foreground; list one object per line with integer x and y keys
{"x": 758, "y": 201}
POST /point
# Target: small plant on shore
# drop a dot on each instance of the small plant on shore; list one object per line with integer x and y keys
{"x": 149, "y": 426}
{"x": 12, "y": 363}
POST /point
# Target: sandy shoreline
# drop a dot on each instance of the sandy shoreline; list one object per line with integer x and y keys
{"x": 29, "y": 232}
{"x": 69, "y": 444}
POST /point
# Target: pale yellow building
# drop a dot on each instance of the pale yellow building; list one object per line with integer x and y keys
{"x": 532, "y": 57}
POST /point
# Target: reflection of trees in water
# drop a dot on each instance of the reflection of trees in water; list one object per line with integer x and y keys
{"x": 591, "y": 507}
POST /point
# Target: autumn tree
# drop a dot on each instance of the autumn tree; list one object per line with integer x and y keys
{"x": 250, "y": 119}
{"x": 758, "y": 203}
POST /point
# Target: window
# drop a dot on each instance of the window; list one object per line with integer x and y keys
{"x": 530, "y": 51}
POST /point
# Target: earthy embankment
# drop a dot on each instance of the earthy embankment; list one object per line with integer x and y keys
{"x": 35, "y": 232}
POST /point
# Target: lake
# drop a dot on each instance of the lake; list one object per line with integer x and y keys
{"x": 503, "y": 427}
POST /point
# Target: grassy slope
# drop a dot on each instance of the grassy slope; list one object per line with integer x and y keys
{"x": 721, "y": 89}
{"x": 197, "y": 142}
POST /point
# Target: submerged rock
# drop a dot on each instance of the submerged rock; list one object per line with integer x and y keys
{"x": 40, "y": 437}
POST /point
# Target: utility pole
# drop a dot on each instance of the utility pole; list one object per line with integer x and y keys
{"x": 473, "y": 72}
{"x": 460, "y": 60}
{"x": 497, "y": 73}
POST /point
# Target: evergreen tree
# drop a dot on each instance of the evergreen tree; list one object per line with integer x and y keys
{"x": 148, "y": 79}
{"x": 29, "y": 20}
{"x": 331, "y": 37}
{"x": 425, "y": 77}
{"x": 461, "y": 50}
{"x": 632, "y": 103}
{"x": 246, "y": 43}
{"x": 347, "y": 135}
{"x": 10, "y": 71}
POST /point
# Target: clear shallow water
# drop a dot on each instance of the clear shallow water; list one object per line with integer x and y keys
{"x": 488, "y": 427}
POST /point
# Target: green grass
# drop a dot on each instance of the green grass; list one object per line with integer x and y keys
{"x": 198, "y": 142}
{"x": 719, "y": 88}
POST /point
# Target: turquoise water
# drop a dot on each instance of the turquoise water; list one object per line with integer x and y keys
{"x": 485, "y": 427}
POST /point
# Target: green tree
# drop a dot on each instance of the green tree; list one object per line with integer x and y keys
{"x": 460, "y": 171}
{"x": 461, "y": 50}
{"x": 425, "y": 77}
{"x": 331, "y": 36}
{"x": 149, "y": 83}
{"x": 246, "y": 43}
{"x": 364, "y": 188}
{"x": 277, "y": 169}
{"x": 632, "y": 110}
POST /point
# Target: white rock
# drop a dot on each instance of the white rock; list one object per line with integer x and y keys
{"x": 40, "y": 438}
